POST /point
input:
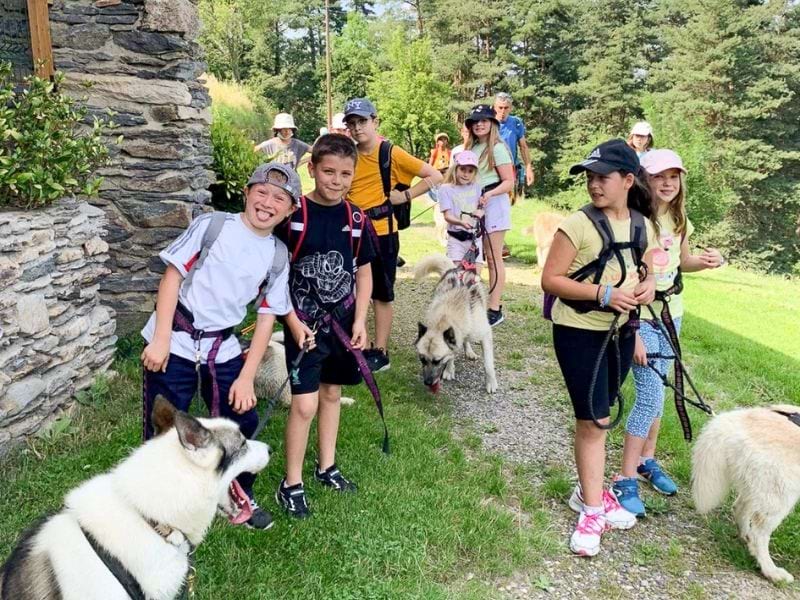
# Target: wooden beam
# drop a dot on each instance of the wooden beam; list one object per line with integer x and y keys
{"x": 41, "y": 44}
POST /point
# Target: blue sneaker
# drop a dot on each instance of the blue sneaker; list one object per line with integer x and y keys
{"x": 626, "y": 489}
{"x": 651, "y": 471}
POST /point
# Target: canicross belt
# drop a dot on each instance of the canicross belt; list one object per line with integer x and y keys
{"x": 184, "y": 321}
{"x": 332, "y": 319}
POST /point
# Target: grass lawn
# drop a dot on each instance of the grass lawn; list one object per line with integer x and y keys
{"x": 437, "y": 507}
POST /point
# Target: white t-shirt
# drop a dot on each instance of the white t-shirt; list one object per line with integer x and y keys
{"x": 458, "y": 198}
{"x": 224, "y": 286}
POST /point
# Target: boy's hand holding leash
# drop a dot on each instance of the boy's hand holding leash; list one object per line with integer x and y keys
{"x": 359, "y": 339}
{"x": 303, "y": 335}
{"x": 156, "y": 355}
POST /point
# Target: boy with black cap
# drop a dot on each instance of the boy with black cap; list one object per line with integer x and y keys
{"x": 367, "y": 192}
{"x": 599, "y": 279}
{"x": 218, "y": 266}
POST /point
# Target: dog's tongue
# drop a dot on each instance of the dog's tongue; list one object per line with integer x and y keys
{"x": 434, "y": 388}
{"x": 242, "y": 502}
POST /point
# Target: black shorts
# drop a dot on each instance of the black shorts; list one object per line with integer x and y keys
{"x": 384, "y": 267}
{"x": 576, "y": 351}
{"x": 330, "y": 362}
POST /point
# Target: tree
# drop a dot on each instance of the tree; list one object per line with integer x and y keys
{"x": 412, "y": 102}
{"x": 354, "y": 59}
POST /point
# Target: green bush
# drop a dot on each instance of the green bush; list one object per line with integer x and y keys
{"x": 234, "y": 161}
{"x": 45, "y": 151}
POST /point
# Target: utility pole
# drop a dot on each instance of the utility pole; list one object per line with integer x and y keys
{"x": 328, "y": 91}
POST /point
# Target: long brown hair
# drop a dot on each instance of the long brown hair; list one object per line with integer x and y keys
{"x": 647, "y": 147}
{"x": 494, "y": 138}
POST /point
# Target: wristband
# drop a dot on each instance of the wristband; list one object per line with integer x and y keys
{"x": 408, "y": 195}
{"x": 597, "y": 295}
{"x": 606, "y": 297}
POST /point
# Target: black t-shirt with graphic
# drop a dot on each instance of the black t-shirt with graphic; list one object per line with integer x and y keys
{"x": 323, "y": 270}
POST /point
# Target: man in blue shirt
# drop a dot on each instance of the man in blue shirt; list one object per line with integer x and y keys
{"x": 512, "y": 130}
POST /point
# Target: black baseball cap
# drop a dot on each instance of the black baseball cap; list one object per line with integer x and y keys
{"x": 360, "y": 107}
{"x": 610, "y": 156}
{"x": 479, "y": 113}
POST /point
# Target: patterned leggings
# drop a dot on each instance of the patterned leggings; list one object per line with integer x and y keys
{"x": 649, "y": 403}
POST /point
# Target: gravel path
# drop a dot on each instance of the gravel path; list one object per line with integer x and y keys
{"x": 527, "y": 421}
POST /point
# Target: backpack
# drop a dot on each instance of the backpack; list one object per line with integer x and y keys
{"x": 298, "y": 220}
{"x": 401, "y": 212}
{"x": 279, "y": 261}
{"x": 611, "y": 248}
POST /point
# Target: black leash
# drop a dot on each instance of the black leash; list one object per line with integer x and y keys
{"x": 422, "y": 212}
{"x": 667, "y": 383}
{"x": 612, "y": 335}
{"x": 293, "y": 375}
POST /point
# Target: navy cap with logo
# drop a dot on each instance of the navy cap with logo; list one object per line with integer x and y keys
{"x": 360, "y": 107}
{"x": 610, "y": 156}
{"x": 280, "y": 175}
{"x": 479, "y": 113}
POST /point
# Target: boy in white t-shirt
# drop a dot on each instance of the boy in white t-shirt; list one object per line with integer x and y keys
{"x": 198, "y": 305}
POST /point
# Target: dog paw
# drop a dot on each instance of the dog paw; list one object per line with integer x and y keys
{"x": 778, "y": 575}
{"x": 491, "y": 386}
{"x": 471, "y": 354}
{"x": 448, "y": 375}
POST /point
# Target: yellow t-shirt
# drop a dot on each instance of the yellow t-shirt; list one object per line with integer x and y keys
{"x": 366, "y": 190}
{"x": 666, "y": 260}
{"x": 583, "y": 235}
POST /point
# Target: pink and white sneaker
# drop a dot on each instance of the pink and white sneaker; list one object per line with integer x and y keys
{"x": 616, "y": 516}
{"x": 585, "y": 540}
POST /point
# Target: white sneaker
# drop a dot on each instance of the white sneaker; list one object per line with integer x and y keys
{"x": 585, "y": 540}
{"x": 616, "y": 516}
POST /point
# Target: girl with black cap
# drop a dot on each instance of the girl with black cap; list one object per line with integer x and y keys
{"x": 584, "y": 313}
{"x": 496, "y": 176}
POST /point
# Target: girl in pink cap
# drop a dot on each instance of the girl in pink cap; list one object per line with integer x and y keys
{"x": 459, "y": 195}
{"x": 666, "y": 180}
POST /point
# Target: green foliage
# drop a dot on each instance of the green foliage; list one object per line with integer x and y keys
{"x": 412, "y": 103}
{"x": 234, "y": 161}
{"x": 355, "y": 54}
{"x": 45, "y": 151}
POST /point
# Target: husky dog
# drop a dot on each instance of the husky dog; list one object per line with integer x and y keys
{"x": 544, "y": 228}
{"x": 755, "y": 451}
{"x": 272, "y": 373}
{"x": 456, "y": 317}
{"x": 128, "y": 534}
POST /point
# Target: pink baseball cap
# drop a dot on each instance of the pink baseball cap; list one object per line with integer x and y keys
{"x": 658, "y": 161}
{"x": 466, "y": 158}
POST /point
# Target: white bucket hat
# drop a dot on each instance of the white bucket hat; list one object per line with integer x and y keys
{"x": 283, "y": 121}
{"x": 642, "y": 128}
{"x": 337, "y": 122}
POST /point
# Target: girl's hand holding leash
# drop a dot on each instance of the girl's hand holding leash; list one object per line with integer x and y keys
{"x": 645, "y": 291}
{"x": 622, "y": 301}
{"x": 156, "y": 355}
{"x": 640, "y": 352}
{"x": 711, "y": 258}
{"x": 242, "y": 395}
{"x": 483, "y": 201}
{"x": 359, "y": 339}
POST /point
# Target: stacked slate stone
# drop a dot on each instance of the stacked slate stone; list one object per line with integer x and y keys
{"x": 144, "y": 63}
{"x": 55, "y": 336}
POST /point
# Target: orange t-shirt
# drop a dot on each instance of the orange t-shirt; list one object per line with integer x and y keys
{"x": 366, "y": 190}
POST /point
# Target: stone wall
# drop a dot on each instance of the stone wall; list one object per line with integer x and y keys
{"x": 143, "y": 62}
{"x": 55, "y": 335}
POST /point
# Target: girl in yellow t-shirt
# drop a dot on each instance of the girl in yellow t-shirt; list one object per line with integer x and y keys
{"x": 578, "y": 337}
{"x": 665, "y": 178}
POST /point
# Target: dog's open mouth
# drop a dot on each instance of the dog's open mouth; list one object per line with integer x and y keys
{"x": 242, "y": 511}
{"x": 434, "y": 387}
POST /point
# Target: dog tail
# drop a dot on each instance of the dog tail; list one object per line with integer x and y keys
{"x": 711, "y": 477}
{"x": 433, "y": 263}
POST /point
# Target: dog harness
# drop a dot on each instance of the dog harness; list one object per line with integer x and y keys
{"x": 127, "y": 580}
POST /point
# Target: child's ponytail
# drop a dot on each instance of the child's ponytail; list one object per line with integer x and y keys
{"x": 640, "y": 198}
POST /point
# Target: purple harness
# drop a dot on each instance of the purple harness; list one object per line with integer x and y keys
{"x": 363, "y": 368}
{"x": 184, "y": 321}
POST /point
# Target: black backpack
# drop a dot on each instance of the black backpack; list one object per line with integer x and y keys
{"x": 401, "y": 212}
{"x": 611, "y": 248}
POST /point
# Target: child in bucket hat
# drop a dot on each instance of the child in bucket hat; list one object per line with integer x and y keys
{"x": 214, "y": 270}
{"x": 284, "y": 147}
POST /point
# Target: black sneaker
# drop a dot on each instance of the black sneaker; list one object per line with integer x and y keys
{"x": 293, "y": 500}
{"x": 495, "y": 317}
{"x": 377, "y": 359}
{"x": 333, "y": 478}
{"x": 401, "y": 262}
{"x": 260, "y": 519}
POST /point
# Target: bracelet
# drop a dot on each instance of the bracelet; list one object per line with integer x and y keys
{"x": 606, "y": 297}
{"x": 408, "y": 195}
{"x": 597, "y": 295}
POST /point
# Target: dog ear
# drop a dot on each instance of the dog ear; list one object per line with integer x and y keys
{"x": 191, "y": 433}
{"x": 163, "y": 415}
{"x": 450, "y": 337}
{"x": 421, "y": 329}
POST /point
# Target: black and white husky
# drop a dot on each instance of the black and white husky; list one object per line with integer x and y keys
{"x": 128, "y": 534}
